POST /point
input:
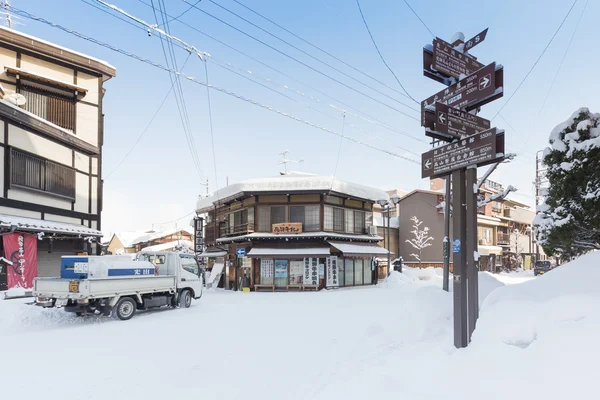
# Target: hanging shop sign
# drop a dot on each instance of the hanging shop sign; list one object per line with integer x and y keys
{"x": 21, "y": 250}
{"x": 266, "y": 269}
{"x": 311, "y": 271}
{"x": 332, "y": 271}
{"x": 288, "y": 227}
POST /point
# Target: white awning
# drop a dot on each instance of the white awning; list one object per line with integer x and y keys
{"x": 295, "y": 251}
{"x": 350, "y": 249}
{"x": 8, "y": 222}
{"x": 487, "y": 250}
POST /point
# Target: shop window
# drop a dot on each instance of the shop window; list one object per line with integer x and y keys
{"x": 328, "y": 218}
{"x": 266, "y": 272}
{"x": 312, "y": 220}
{"x": 368, "y": 220}
{"x": 278, "y": 214}
{"x": 338, "y": 219}
{"x": 296, "y": 272}
{"x": 349, "y": 221}
{"x": 281, "y": 273}
{"x": 340, "y": 273}
{"x": 264, "y": 219}
{"x": 348, "y": 272}
{"x": 250, "y": 217}
{"x": 359, "y": 222}
{"x": 297, "y": 214}
{"x": 358, "y": 272}
{"x": 367, "y": 272}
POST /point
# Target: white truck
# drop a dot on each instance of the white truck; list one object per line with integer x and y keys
{"x": 116, "y": 285}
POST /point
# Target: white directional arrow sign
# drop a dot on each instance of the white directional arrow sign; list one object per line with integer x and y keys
{"x": 485, "y": 81}
{"x": 428, "y": 164}
{"x": 442, "y": 118}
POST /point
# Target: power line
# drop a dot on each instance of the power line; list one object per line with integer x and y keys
{"x": 212, "y": 136}
{"x": 181, "y": 15}
{"x": 419, "y": 18}
{"x": 308, "y": 54}
{"x": 194, "y": 80}
{"x": 536, "y": 61}
{"x": 379, "y": 52}
{"x": 310, "y": 67}
{"x": 563, "y": 58}
{"x": 370, "y": 119}
{"x": 317, "y": 47}
{"x": 321, "y": 112}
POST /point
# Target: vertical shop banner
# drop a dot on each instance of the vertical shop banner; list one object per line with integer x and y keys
{"x": 296, "y": 269}
{"x": 332, "y": 272}
{"x": 21, "y": 250}
{"x": 306, "y": 278}
{"x": 311, "y": 271}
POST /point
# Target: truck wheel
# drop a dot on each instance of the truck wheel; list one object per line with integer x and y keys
{"x": 125, "y": 308}
{"x": 185, "y": 298}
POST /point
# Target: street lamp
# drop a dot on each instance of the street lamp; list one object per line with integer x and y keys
{"x": 386, "y": 206}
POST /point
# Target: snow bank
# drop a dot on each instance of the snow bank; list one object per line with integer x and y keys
{"x": 15, "y": 292}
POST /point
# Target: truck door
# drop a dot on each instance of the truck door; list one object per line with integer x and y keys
{"x": 190, "y": 274}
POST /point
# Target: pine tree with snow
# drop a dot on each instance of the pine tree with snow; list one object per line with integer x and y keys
{"x": 568, "y": 223}
{"x": 421, "y": 240}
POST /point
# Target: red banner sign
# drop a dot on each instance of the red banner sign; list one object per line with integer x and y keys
{"x": 21, "y": 250}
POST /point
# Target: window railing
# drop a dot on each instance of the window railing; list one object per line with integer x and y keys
{"x": 237, "y": 229}
{"x": 503, "y": 238}
{"x": 31, "y": 172}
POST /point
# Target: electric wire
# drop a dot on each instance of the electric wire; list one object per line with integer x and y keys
{"x": 318, "y": 48}
{"x": 419, "y": 18}
{"x": 381, "y": 55}
{"x": 311, "y": 68}
{"x": 366, "y": 117}
{"x": 28, "y": 15}
{"x": 536, "y": 61}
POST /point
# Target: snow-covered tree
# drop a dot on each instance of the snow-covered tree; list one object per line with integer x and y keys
{"x": 421, "y": 240}
{"x": 568, "y": 222}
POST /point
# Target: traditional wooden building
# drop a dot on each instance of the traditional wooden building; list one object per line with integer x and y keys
{"x": 294, "y": 232}
{"x": 52, "y": 119}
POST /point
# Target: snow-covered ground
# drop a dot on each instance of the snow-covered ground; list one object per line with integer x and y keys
{"x": 537, "y": 339}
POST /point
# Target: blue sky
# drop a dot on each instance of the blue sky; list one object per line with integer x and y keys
{"x": 157, "y": 183}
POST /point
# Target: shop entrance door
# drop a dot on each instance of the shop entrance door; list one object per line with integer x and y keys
{"x": 281, "y": 274}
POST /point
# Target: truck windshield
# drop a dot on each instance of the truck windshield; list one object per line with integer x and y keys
{"x": 189, "y": 264}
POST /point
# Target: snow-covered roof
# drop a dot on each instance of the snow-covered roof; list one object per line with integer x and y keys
{"x": 39, "y": 225}
{"x": 61, "y": 48}
{"x": 292, "y": 183}
{"x": 320, "y": 234}
{"x": 149, "y": 236}
{"x": 170, "y": 245}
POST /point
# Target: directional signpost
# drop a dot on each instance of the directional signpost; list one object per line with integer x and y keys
{"x": 449, "y": 115}
{"x": 452, "y": 62}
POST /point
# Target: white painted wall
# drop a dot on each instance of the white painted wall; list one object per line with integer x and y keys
{"x": 82, "y": 162}
{"x": 82, "y": 185}
{"x": 90, "y": 83}
{"x": 60, "y": 218}
{"x": 20, "y": 213}
{"x": 87, "y": 123}
{"x": 35, "y": 198}
{"x": 27, "y": 141}
{"x": 8, "y": 58}
{"x": 47, "y": 69}
{"x": 94, "y": 166}
{"x": 94, "y": 195}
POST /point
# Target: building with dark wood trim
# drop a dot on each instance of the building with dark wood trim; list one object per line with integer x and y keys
{"x": 274, "y": 233}
{"x": 51, "y": 119}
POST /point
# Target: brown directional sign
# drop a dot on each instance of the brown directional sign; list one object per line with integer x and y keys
{"x": 475, "y": 40}
{"x": 452, "y": 62}
{"x": 477, "y": 89}
{"x": 454, "y": 122}
{"x": 477, "y": 150}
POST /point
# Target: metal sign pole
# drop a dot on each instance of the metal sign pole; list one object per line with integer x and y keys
{"x": 471, "y": 249}
{"x": 447, "y": 238}
{"x": 459, "y": 239}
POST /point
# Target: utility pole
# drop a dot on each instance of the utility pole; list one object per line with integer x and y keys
{"x": 8, "y": 17}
